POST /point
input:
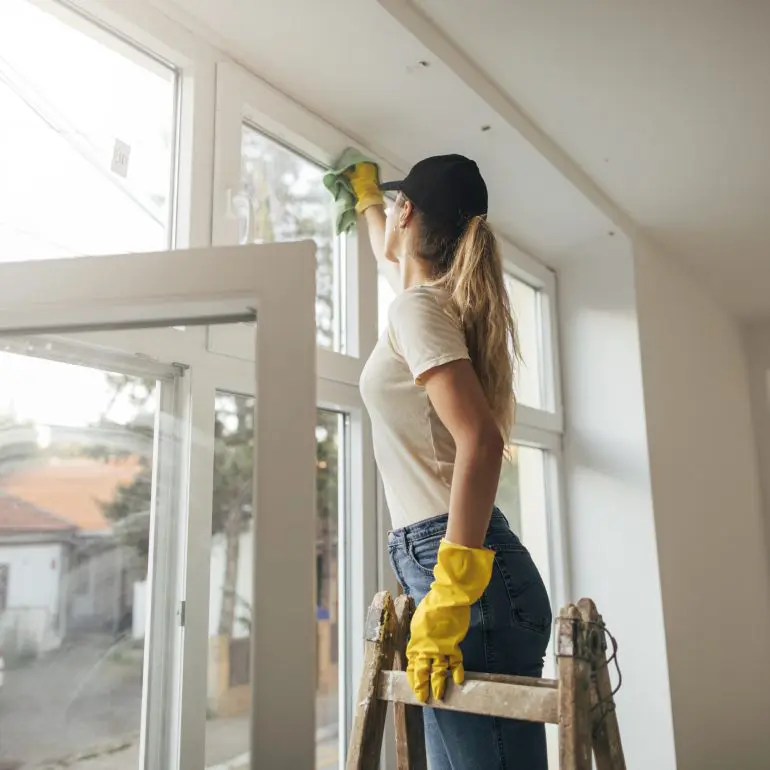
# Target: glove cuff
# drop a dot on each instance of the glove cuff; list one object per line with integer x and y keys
{"x": 367, "y": 199}
{"x": 466, "y": 572}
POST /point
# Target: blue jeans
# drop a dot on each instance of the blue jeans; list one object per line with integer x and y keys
{"x": 509, "y": 632}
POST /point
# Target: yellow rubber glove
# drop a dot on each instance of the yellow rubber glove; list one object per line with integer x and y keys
{"x": 442, "y": 618}
{"x": 366, "y": 185}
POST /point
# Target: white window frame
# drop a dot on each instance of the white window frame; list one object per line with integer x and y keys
{"x": 518, "y": 264}
{"x": 544, "y": 428}
{"x": 71, "y": 296}
{"x": 128, "y": 27}
{"x": 244, "y": 98}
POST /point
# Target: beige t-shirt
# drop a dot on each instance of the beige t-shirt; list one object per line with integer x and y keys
{"x": 414, "y": 451}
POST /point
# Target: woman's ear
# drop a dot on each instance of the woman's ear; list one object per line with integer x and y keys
{"x": 406, "y": 214}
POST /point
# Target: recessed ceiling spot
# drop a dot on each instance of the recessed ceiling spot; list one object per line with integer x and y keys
{"x": 417, "y": 66}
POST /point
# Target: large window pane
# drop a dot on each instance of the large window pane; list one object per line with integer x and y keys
{"x": 86, "y": 141}
{"x": 76, "y": 458}
{"x": 525, "y": 302}
{"x": 285, "y": 200}
{"x": 229, "y": 674}
{"x": 522, "y": 498}
{"x": 385, "y": 295}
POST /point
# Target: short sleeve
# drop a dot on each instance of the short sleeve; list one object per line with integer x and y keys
{"x": 424, "y": 333}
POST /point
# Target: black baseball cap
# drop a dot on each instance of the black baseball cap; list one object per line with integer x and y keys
{"x": 448, "y": 188}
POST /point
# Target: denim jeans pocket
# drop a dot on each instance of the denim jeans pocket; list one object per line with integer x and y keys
{"x": 530, "y": 608}
{"x": 423, "y": 553}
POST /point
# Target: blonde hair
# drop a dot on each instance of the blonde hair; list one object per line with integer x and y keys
{"x": 470, "y": 269}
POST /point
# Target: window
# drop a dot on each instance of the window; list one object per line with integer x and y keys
{"x": 270, "y": 156}
{"x": 522, "y": 497}
{"x": 86, "y": 140}
{"x": 75, "y": 512}
{"x": 385, "y": 295}
{"x": 164, "y": 675}
{"x": 529, "y": 484}
{"x": 284, "y": 199}
{"x": 525, "y": 302}
{"x": 230, "y": 619}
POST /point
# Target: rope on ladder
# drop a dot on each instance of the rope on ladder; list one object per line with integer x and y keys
{"x": 607, "y": 705}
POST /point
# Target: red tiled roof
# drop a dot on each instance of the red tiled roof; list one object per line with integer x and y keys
{"x": 72, "y": 488}
{"x": 19, "y": 516}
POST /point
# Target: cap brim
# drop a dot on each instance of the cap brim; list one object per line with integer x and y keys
{"x": 391, "y": 186}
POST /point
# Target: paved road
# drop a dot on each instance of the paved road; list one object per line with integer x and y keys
{"x": 127, "y": 758}
{"x": 81, "y": 706}
{"x": 83, "y": 695}
{"x": 327, "y": 758}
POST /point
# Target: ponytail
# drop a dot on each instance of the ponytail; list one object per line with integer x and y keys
{"x": 475, "y": 281}
{"x": 469, "y": 268}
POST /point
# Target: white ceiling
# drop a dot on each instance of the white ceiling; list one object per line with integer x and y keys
{"x": 664, "y": 104}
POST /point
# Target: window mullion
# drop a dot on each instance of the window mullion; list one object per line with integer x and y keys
{"x": 539, "y": 419}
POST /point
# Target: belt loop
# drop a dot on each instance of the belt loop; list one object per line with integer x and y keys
{"x": 397, "y": 536}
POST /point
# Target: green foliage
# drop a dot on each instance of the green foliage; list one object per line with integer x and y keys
{"x": 233, "y": 461}
{"x": 327, "y": 466}
{"x": 130, "y": 510}
{"x": 288, "y": 202}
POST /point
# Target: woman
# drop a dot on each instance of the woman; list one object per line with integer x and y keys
{"x": 439, "y": 390}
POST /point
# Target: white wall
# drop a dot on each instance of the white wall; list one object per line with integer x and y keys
{"x": 99, "y": 604}
{"x": 757, "y": 345}
{"x": 34, "y": 594}
{"x": 708, "y": 517}
{"x": 611, "y": 527}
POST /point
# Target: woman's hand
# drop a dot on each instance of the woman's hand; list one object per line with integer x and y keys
{"x": 366, "y": 187}
{"x": 364, "y": 178}
{"x": 442, "y": 618}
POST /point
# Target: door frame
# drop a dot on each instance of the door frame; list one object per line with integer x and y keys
{"x": 275, "y": 283}
{"x": 243, "y": 98}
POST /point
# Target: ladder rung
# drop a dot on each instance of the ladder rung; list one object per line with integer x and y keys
{"x": 509, "y": 697}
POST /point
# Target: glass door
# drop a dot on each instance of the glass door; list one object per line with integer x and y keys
{"x": 114, "y": 419}
{"x": 231, "y": 619}
{"x": 270, "y": 159}
{"x": 79, "y": 507}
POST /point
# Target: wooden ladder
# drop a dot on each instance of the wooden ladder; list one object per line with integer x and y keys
{"x": 580, "y": 701}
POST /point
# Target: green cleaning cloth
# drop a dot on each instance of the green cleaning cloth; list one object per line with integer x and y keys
{"x": 342, "y": 190}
